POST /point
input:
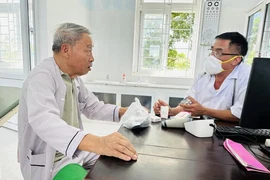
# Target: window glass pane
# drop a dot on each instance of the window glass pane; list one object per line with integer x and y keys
{"x": 153, "y": 23}
{"x": 147, "y": 42}
{"x": 152, "y": 56}
{"x": 265, "y": 45}
{"x": 180, "y": 44}
{"x": 151, "y": 63}
{"x": 152, "y": 40}
{"x": 165, "y": 38}
{"x": 11, "y": 60}
{"x": 253, "y": 27}
{"x": 148, "y": 33}
{"x": 31, "y": 28}
{"x": 152, "y": 51}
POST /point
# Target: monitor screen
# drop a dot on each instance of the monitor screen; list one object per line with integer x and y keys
{"x": 256, "y": 108}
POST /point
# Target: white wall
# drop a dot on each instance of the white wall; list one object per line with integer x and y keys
{"x": 112, "y": 29}
{"x": 112, "y": 25}
{"x": 61, "y": 11}
{"x": 41, "y": 30}
{"x": 233, "y": 15}
{"x": 11, "y": 82}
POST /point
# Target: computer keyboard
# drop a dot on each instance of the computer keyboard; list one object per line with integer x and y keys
{"x": 242, "y": 131}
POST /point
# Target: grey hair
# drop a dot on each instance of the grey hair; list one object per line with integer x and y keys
{"x": 68, "y": 33}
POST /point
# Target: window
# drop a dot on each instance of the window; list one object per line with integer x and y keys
{"x": 265, "y": 44}
{"x": 14, "y": 39}
{"x": 252, "y": 35}
{"x": 165, "y": 38}
{"x": 258, "y": 31}
{"x": 32, "y": 36}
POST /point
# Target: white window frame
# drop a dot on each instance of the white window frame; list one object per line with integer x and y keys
{"x": 32, "y": 32}
{"x": 25, "y": 44}
{"x": 265, "y": 3}
{"x": 151, "y": 7}
{"x": 263, "y": 7}
{"x": 259, "y": 7}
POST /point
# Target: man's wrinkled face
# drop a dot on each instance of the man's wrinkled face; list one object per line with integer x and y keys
{"x": 81, "y": 58}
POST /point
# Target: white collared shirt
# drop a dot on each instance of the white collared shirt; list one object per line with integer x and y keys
{"x": 204, "y": 92}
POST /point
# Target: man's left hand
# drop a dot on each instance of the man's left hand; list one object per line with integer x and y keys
{"x": 122, "y": 111}
{"x": 195, "y": 108}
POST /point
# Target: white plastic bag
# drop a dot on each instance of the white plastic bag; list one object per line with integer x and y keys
{"x": 136, "y": 116}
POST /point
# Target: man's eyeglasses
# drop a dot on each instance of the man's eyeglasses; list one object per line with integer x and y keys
{"x": 218, "y": 54}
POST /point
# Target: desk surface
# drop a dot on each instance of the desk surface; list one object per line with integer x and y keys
{"x": 173, "y": 154}
{"x": 9, "y": 98}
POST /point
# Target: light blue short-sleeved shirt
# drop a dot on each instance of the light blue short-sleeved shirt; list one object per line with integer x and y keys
{"x": 230, "y": 95}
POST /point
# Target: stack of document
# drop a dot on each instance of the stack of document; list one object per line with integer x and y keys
{"x": 244, "y": 157}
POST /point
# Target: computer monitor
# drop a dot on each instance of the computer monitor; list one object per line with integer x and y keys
{"x": 256, "y": 108}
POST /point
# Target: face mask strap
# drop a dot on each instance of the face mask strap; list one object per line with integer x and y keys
{"x": 223, "y": 62}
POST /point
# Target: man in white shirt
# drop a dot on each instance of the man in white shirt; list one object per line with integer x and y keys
{"x": 219, "y": 92}
{"x": 52, "y": 101}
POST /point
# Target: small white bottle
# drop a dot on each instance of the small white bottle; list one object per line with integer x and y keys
{"x": 164, "y": 112}
{"x": 124, "y": 78}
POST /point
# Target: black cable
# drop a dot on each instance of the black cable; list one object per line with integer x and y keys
{"x": 224, "y": 136}
{"x": 254, "y": 141}
{"x": 262, "y": 158}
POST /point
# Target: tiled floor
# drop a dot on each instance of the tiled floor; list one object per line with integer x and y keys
{"x": 9, "y": 167}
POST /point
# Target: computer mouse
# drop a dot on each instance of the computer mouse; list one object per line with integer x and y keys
{"x": 200, "y": 128}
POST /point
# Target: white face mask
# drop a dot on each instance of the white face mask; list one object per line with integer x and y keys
{"x": 213, "y": 65}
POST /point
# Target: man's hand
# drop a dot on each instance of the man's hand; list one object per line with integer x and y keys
{"x": 115, "y": 145}
{"x": 122, "y": 111}
{"x": 118, "y": 146}
{"x": 157, "y": 106}
{"x": 195, "y": 108}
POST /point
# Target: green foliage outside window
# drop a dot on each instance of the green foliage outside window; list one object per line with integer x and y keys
{"x": 153, "y": 37}
{"x": 181, "y": 26}
{"x": 252, "y": 39}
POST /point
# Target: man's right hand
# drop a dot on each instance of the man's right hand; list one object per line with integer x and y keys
{"x": 118, "y": 146}
{"x": 157, "y": 106}
{"x": 115, "y": 145}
